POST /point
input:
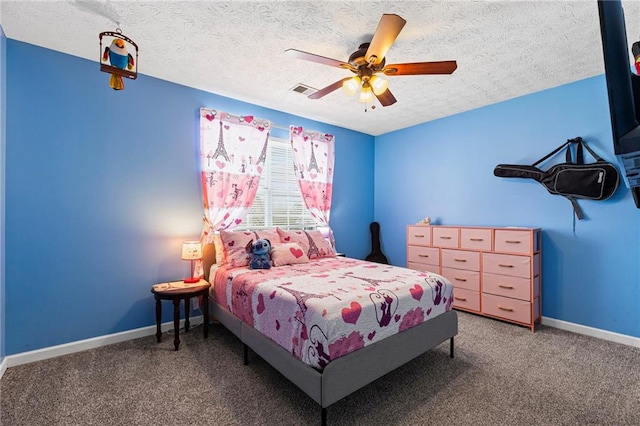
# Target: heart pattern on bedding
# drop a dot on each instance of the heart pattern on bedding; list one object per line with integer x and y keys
{"x": 416, "y": 292}
{"x": 297, "y": 253}
{"x": 352, "y": 313}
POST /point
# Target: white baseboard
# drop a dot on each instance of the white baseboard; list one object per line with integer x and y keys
{"x": 96, "y": 342}
{"x": 593, "y": 332}
{"x": 3, "y": 366}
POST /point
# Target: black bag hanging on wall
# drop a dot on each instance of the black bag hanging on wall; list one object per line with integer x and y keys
{"x": 572, "y": 179}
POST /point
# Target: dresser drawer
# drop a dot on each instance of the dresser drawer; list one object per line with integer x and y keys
{"x": 507, "y": 308}
{"x": 419, "y": 235}
{"x": 506, "y": 264}
{"x": 513, "y": 241}
{"x": 462, "y": 279}
{"x": 461, "y": 259}
{"x": 475, "y": 238}
{"x": 430, "y": 255}
{"x": 445, "y": 237}
{"x": 425, "y": 267}
{"x": 466, "y": 299}
{"x": 504, "y": 285}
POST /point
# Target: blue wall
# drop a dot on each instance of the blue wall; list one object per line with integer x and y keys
{"x": 102, "y": 187}
{"x": 444, "y": 169}
{"x": 3, "y": 43}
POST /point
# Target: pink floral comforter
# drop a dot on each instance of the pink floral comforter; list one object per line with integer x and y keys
{"x": 327, "y": 308}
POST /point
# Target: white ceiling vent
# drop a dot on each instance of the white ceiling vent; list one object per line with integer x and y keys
{"x": 304, "y": 89}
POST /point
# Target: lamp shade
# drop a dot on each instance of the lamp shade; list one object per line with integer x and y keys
{"x": 378, "y": 84}
{"x": 191, "y": 250}
{"x": 366, "y": 95}
{"x": 352, "y": 85}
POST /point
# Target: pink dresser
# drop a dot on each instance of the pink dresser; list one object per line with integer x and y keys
{"x": 496, "y": 272}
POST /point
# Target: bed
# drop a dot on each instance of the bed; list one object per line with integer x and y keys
{"x": 363, "y": 321}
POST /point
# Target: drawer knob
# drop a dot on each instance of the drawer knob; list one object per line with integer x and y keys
{"x": 460, "y": 279}
{"x": 460, "y": 260}
{"x": 476, "y": 239}
{"x": 505, "y": 286}
{"x": 462, "y": 299}
{"x": 419, "y": 236}
{"x": 505, "y": 309}
{"x": 505, "y": 266}
{"x": 423, "y": 255}
{"x": 513, "y": 241}
{"x": 445, "y": 237}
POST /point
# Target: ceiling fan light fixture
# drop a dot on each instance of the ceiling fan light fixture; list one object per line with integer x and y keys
{"x": 366, "y": 95}
{"x": 352, "y": 85}
{"x": 368, "y": 61}
{"x": 378, "y": 84}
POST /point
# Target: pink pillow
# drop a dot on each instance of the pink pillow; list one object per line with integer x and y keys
{"x": 288, "y": 254}
{"x": 234, "y": 245}
{"x": 312, "y": 242}
{"x": 269, "y": 234}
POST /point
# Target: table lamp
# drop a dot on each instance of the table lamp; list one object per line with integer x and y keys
{"x": 191, "y": 250}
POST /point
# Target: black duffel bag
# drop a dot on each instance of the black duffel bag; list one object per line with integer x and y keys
{"x": 572, "y": 179}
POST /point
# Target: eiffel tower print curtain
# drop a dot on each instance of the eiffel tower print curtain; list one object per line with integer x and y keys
{"x": 232, "y": 154}
{"x": 314, "y": 157}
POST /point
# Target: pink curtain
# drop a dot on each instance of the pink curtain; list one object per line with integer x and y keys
{"x": 314, "y": 157}
{"x": 232, "y": 154}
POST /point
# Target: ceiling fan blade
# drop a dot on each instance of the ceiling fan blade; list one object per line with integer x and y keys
{"x": 299, "y": 54}
{"x": 386, "y": 98}
{"x": 417, "y": 68}
{"x": 330, "y": 88}
{"x": 388, "y": 29}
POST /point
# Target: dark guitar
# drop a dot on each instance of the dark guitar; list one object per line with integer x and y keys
{"x": 376, "y": 254}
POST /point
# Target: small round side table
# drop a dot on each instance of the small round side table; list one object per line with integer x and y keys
{"x": 177, "y": 291}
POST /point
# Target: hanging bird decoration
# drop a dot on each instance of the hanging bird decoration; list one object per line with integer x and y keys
{"x": 118, "y": 60}
{"x": 635, "y": 50}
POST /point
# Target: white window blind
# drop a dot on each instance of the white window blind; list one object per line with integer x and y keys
{"x": 278, "y": 201}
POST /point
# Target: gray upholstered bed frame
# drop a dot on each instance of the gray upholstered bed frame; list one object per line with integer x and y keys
{"x": 349, "y": 373}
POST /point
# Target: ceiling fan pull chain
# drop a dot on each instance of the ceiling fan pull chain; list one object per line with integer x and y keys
{"x": 372, "y": 106}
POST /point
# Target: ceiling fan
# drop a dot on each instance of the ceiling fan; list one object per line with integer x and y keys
{"x": 369, "y": 60}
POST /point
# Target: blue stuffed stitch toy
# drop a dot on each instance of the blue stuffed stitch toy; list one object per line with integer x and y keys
{"x": 260, "y": 251}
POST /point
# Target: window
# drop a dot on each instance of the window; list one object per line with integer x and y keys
{"x": 278, "y": 201}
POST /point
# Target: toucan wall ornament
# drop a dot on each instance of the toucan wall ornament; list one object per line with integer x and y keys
{"x": 119, "y": 58}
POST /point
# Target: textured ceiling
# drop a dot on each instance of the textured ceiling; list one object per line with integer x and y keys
{"x": 504, "y": 49}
